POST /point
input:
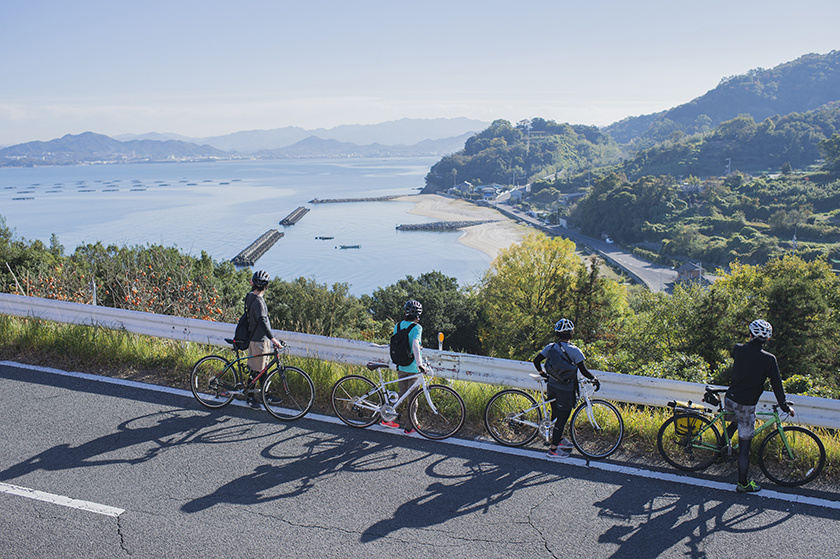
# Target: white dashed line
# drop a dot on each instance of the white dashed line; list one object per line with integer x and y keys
{"x": 59, "y": 500}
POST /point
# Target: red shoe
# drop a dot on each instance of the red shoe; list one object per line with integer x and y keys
{"x": 390, "y": 424}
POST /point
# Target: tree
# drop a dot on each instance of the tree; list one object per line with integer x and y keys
{"x": 830, "y": 148}
{"x": 531, "y": 285}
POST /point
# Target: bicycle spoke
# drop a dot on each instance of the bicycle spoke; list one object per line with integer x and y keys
{"x": 796, "y": 463}
{"x": 450, "y": 415}
{"x": 213, "y": 381}
{"x": 350, "y": 403}
{"x": 688, "y": 442}
{"x": 511, "y": 417}
{"x": 288, "y": 393}
{"x": 597, "y": 435}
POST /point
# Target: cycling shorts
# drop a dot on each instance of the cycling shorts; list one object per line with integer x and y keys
{"x": 743, "y": 415}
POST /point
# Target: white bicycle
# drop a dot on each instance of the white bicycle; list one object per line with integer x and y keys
{"x": 513, "y": 418}
{"x": 436, "y": 411}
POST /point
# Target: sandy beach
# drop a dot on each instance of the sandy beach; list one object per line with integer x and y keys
{"x": 489, "y": 238}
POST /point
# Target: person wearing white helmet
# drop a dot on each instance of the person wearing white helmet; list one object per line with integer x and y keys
{"x": 261, "y": 339}
{"x": 563, "y": 361}
{"x": 751, "y": 367}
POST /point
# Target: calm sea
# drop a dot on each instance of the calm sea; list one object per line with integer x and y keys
{"x": 221, "y": 207}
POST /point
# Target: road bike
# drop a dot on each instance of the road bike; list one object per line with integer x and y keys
{"x": 694, "y": 437}
{"x": 287, "y": 392}
{"x": 436, "y": 411}
{"x": 513, "y": 418}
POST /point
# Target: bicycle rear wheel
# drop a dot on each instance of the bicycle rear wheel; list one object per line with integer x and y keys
{"x": 288, "y": 393}
{"x": 450, "y": 415}
{"x": 600, "y": 435}
{"x": 688, "y": 441}
{"x": 799, "y": 462}
{"x": 354, "y": 402}
{"x": 512, "y": 417}
{"x": 213, "y": 381}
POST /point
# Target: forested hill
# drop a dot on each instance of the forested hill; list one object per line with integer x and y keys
{"x": 509, "y": 154}
{"x": 802, "y": 85}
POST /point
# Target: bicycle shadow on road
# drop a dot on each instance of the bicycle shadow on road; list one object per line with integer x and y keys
{"x": 134, "y": 441}
{"x": 650, "y": 525}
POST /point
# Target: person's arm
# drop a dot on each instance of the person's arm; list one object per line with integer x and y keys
{"x": 585, "y": 372}
{"x": 416, "y": 350}
{"x": 779, "y": 389}
{"x": 538, "y": 363}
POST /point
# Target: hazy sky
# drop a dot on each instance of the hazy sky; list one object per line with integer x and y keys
{"x": 202, "y": 68}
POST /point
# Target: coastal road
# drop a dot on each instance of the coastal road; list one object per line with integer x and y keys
{"x": 653, "y": 276}
{"x": 94, "y": 467}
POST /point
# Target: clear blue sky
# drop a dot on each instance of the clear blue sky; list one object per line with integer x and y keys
{"x": 202, "y": 68}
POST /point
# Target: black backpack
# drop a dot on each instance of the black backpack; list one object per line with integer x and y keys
{"x": 559, "y": 365}
{"x": 242, "y": 334}
{"x": 401, "y": 353}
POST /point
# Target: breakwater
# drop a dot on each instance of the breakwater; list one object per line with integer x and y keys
{"x": 295, "y": 216}
{"x": 442, "y": 225}
{"x": 255, "y": 250}
{"x": 343, "y": 200}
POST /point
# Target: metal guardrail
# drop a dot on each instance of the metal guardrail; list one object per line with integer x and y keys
{"x": 631, "y": 389}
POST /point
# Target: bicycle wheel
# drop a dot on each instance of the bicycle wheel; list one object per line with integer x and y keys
{"x": 600, "y": 435}
{"x": 450, "y": 415}
{"x": 512, "y": 417}
{"x": 802, "y": 463}
{"x": 213, "y": 381}
{"x": 688, "y": 441}
{"x": 355, "y": 402}
{"x": 288, "y": 393}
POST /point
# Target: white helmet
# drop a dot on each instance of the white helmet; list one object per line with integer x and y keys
{"x": 564, "y": 325}
{"x": 761, "y": 329}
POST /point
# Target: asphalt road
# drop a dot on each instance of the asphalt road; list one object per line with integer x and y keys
{"x": 655, "y": 277}
{"x": 184, "y": 482}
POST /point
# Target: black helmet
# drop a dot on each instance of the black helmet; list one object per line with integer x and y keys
{"x": 260, "y": 279}
{"x": 413, "y": 308}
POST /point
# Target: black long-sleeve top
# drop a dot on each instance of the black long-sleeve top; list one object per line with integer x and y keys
{"x": 751, "y": 368}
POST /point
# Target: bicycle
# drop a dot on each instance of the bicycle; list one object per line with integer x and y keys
{"x": 436, "y": 411}
{"x": 513, "y": 418}
{"x": 689, "y": 440}
{"x": 287, "y": 392}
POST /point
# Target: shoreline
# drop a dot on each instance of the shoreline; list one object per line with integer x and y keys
{"x": 488, "y": 238}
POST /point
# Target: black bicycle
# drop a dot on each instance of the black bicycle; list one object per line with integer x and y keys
{"x": 287, "y": 392}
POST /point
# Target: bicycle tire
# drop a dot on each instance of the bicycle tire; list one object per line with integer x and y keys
{"x": 602, "y": 438}
{"x": 346, "y": 395}
{"x": 505, "y": 416}
{"x": 288, "y": 393}
{"x": 790, "y": 470}
{"x": 679, "y": 445}
{"x": 450, "y": 416}
{"x": 213, "y": 381}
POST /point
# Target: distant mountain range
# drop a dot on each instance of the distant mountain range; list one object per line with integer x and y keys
{"x": 264, "y": 144}
{"x": 403, "y": 132}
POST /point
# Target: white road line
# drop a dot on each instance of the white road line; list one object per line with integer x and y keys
{"x": 59, "y": 500}
{"x": 605, "y": 466}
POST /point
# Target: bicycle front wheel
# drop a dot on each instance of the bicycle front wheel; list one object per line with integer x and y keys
{"x": 213, "y": 381}
{"x": 288, "y": 393}
{"x": 598, "y": 435}
{"x": 355, "y": 402}
{"x": 512, "y": 417}
{"x": 688, "y": 441}
{"x": 450, "y": 415}
{"x": 796, "y": 463}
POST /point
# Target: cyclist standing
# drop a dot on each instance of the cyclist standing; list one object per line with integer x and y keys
{"x": 752, "y": 366}
{"x": 260, "y": 328}
{"x": 411, "y": 320}
{"x": 564, "y": 361}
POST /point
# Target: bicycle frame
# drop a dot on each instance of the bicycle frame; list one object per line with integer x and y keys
{"x": 769, "y": 419}
{"x": 419, "y": 382}
{"x": 546, "y": 427}
{"x": 241, "y": 371}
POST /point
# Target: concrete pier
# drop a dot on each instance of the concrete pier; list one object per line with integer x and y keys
{"x": 295, "y": 216}
{"x": 255, "y": 250}
{"x": 442, "y": 225}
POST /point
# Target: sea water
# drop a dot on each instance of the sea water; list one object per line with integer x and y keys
{"x": 221, "y": 207}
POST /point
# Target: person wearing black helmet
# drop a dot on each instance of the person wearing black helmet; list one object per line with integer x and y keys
{"x": 751, "y": 366}
{"x": 259, "y": 327}
{"x": 411, "y": 321}
{"x": 563, "y": 361}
